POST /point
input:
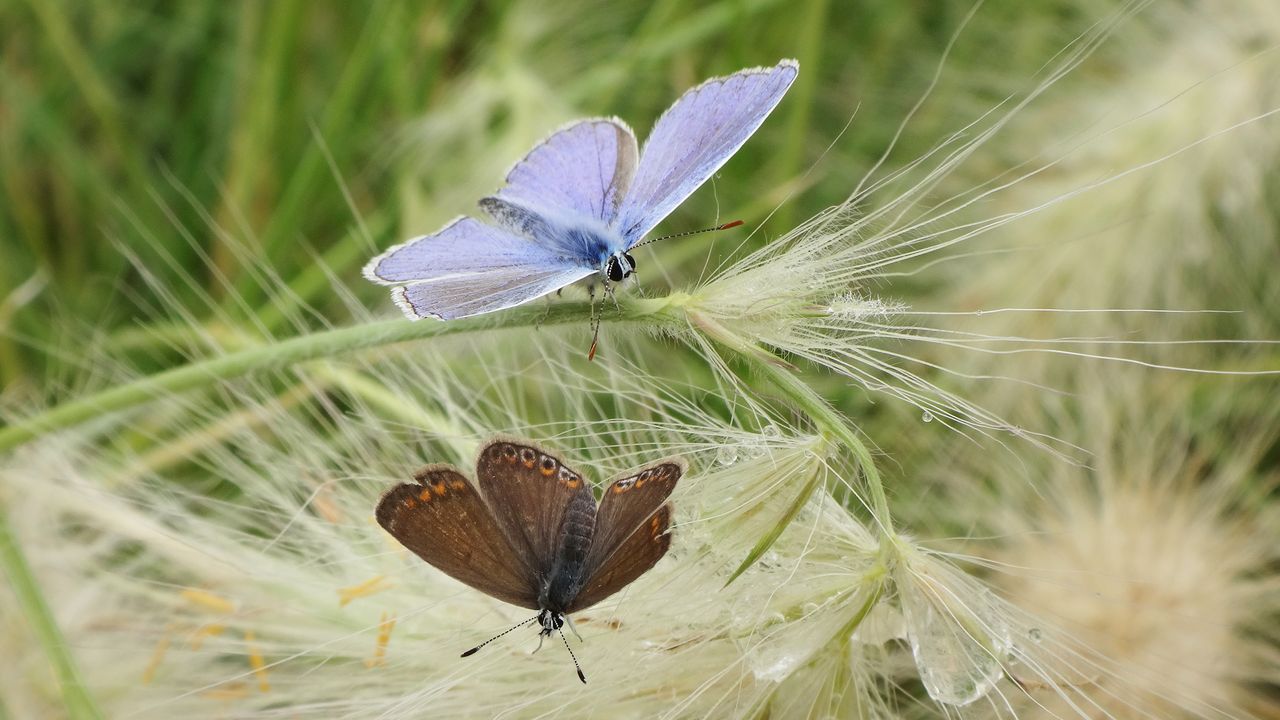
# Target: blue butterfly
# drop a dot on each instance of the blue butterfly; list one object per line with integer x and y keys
{"x": 578, "y": 202}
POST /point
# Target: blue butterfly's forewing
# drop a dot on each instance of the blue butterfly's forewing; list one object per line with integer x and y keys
{"x": 580, "y": 171}
{"x": 567, "y": 190}
{"x": 469, "y": 268}
{"x": 694, "y": 138}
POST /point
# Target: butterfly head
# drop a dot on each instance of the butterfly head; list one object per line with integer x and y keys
{"x": 619, "y": 266}
{"x": 550, "y": 621}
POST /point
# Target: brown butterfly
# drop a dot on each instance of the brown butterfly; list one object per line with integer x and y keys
{"x": 533, "y": 536}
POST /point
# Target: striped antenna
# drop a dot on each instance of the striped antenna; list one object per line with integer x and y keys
{"x": 725, "y": 226}
{"x": 576, "y": 666}
{"x": 473, "y": 650}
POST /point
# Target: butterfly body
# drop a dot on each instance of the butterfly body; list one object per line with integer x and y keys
{"x": 530, "y": 532}
{"x": 563, "y": 581}
{"x": 577, "y": 240}
{"x": 579, "y": 202}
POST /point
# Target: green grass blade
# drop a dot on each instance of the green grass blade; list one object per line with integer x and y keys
{"x": 766, "y": 541}
{"x": 79, "y": 703}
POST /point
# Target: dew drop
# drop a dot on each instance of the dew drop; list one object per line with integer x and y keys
{"x": 959, "y": 646}
{"x": 926, "y": 416}
{"x": 726, "y": 455}
{"x": 1035, "y": 634}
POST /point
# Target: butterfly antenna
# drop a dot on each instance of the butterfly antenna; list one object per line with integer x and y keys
{"x": 576, "y": 666}
{"x": 476, "y": 649}
{"x": 725, "y": 226}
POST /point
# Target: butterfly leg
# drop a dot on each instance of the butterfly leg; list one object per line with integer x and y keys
{"x": 608, "y": 290}
{"x": 568, "y": 620}
{"x": 537, "y": 325}
{"x": 595, "y": 323}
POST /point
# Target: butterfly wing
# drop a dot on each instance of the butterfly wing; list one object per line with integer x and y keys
{"x": 469, "y": 268}
{"x": 444, "y": 521}
{"x": 631, "y": 532}
{"x": 530, "y": 491}
{"x": 694, "y": 138}
{"x": 581, "y": 171}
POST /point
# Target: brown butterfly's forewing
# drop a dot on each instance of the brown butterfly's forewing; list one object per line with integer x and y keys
{"x": 631, "y": 531}
{"x": 531, "y": 492}
{"x": 444, "y": 521}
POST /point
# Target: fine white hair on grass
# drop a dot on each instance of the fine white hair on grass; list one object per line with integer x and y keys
{"x": 1148, "y": 572}
{"x": 246, "y": 574}
{"x": 249, "y": 576}
{"x": 812, "y": 294}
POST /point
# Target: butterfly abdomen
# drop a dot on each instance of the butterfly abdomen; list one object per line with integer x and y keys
{"x": 566, "y": 577}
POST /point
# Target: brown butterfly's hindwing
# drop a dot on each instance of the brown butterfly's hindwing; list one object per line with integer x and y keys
{"x": 631, "y": 531}
{"x": 639, "y": 552}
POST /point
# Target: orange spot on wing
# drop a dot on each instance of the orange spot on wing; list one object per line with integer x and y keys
{"x": 458, "y": 485}
{"x": 439, "y": 487}
{"x": 425, "y": 495}
{"x": 574, "y": 483}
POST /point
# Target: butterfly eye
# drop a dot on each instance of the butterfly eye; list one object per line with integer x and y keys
{"x": 630, "y": 261}
{"x": 613, "y": 269}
